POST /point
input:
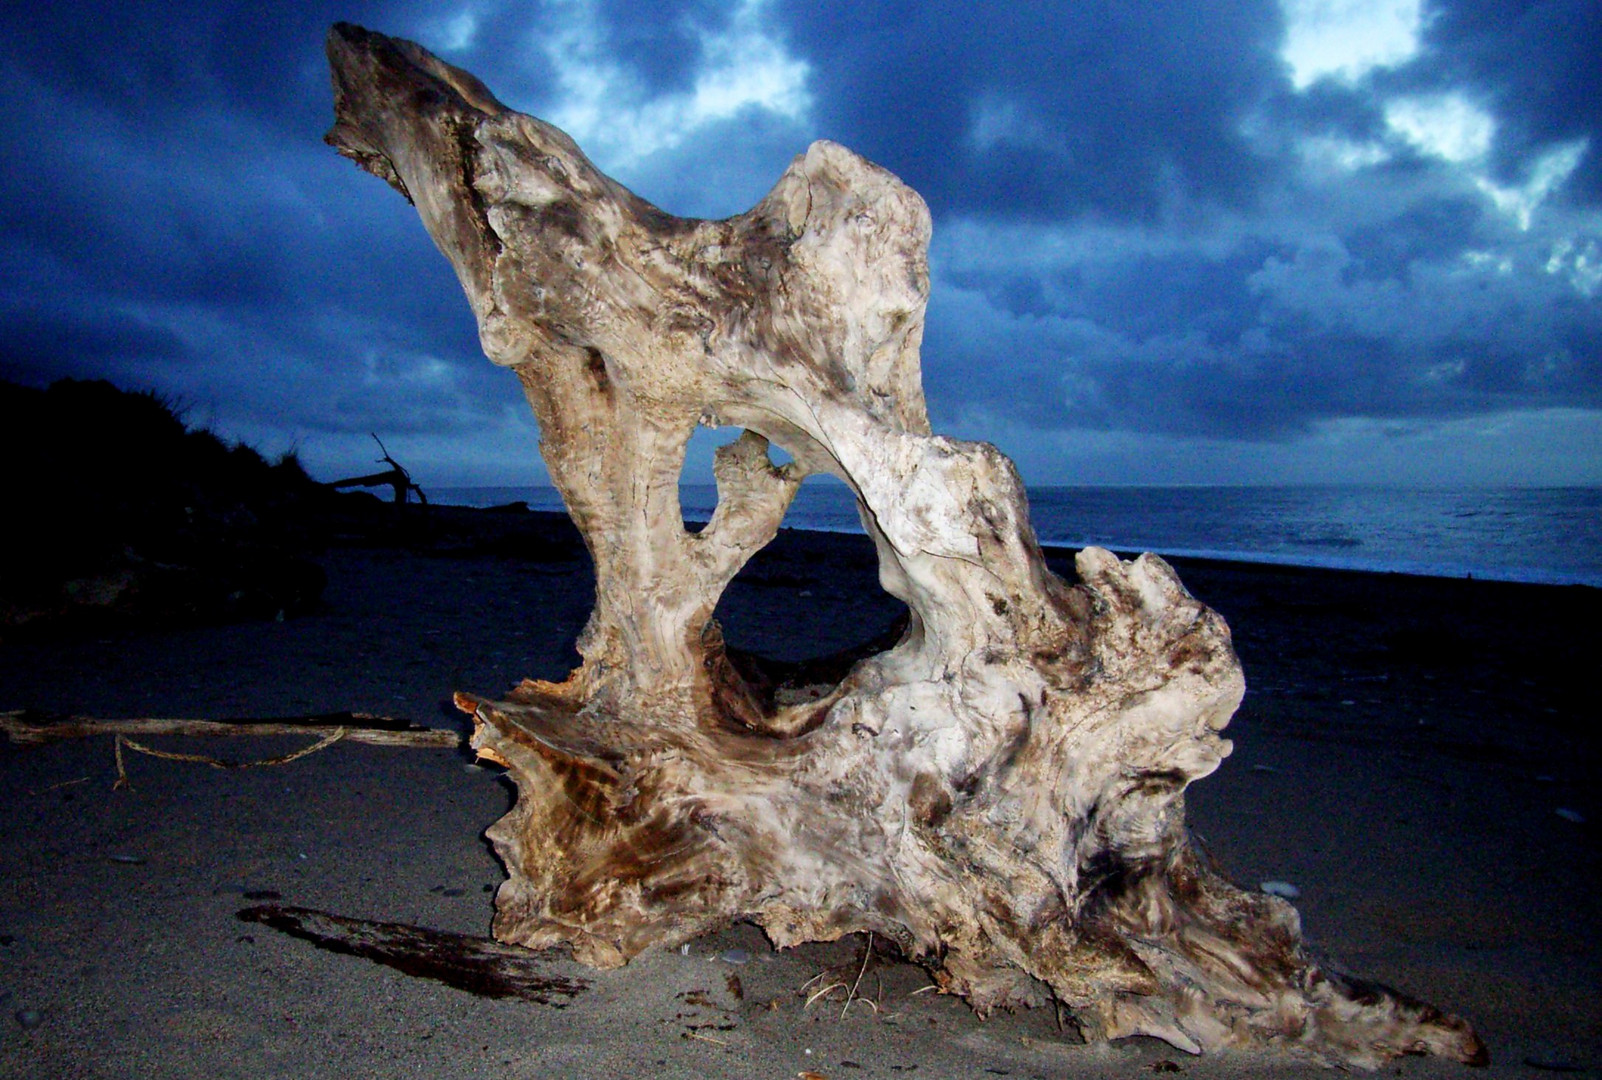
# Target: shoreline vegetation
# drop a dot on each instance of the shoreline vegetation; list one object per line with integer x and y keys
{"x": 129, "y": 516}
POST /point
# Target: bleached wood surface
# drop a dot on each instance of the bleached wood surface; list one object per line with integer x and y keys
{"x": 1001, "y": 792}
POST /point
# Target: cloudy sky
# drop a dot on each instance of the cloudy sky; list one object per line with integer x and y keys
{"x": 1243, "y": 241}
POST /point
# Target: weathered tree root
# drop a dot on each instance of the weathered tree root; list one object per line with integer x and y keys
{"x": 1000, "y": 791}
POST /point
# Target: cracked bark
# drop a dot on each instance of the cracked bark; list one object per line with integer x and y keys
{"x": 1001, "y": 790}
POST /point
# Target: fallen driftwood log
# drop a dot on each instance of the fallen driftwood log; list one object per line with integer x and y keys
{"x": 396, "y": 477}
{"x": 1000, "y": 792}
{"x": 31, "y": 729}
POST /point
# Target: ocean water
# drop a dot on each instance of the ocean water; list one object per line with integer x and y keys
{"x": 1551, "y": 535}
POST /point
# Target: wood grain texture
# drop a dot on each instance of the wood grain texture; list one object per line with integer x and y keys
{"x": 1000, "y": 791}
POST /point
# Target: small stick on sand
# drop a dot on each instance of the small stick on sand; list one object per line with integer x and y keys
{"x": 823, "y": 993}
{"x": 704, "y": 1038}
{"x": 62, "y": 784}
{"x": 851, "y": 994}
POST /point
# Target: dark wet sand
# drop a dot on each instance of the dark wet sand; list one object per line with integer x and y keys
{"x": 1401, "y": 756}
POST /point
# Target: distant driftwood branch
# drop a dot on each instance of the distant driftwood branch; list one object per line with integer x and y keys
{"x": 395, "y": 477}
{"x": 28, "y": 730}
{"x": 331, "y": 727}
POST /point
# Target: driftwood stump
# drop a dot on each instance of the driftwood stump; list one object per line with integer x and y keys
{"x": 1001, "y": 791}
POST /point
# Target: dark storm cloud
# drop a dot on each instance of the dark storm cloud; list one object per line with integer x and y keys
{"x": 1262, "y": 343}
{"x": 44, "y": 345}
{"x": 1144, "y": 227}
{"x": 1536, "y": 61}
{"x": 1184, "y": 123}
{"x": 1104, "y": 107}
{"x": 658, "y": 40}
{"x": 172, "y": 221}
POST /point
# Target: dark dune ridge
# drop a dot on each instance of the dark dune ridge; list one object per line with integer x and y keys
{"x": 1416, "y": 756}
{"x": 126, "y": 515}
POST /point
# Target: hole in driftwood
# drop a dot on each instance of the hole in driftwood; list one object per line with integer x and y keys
{"x": 698, "y": 494}
{"x": 802, "y": 610}
{"x": 808, "y": 606}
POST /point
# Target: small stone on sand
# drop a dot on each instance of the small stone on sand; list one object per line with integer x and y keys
{"x": 1282, "y": 889}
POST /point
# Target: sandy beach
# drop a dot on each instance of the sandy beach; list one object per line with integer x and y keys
{"x": 1418, "y": 757}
